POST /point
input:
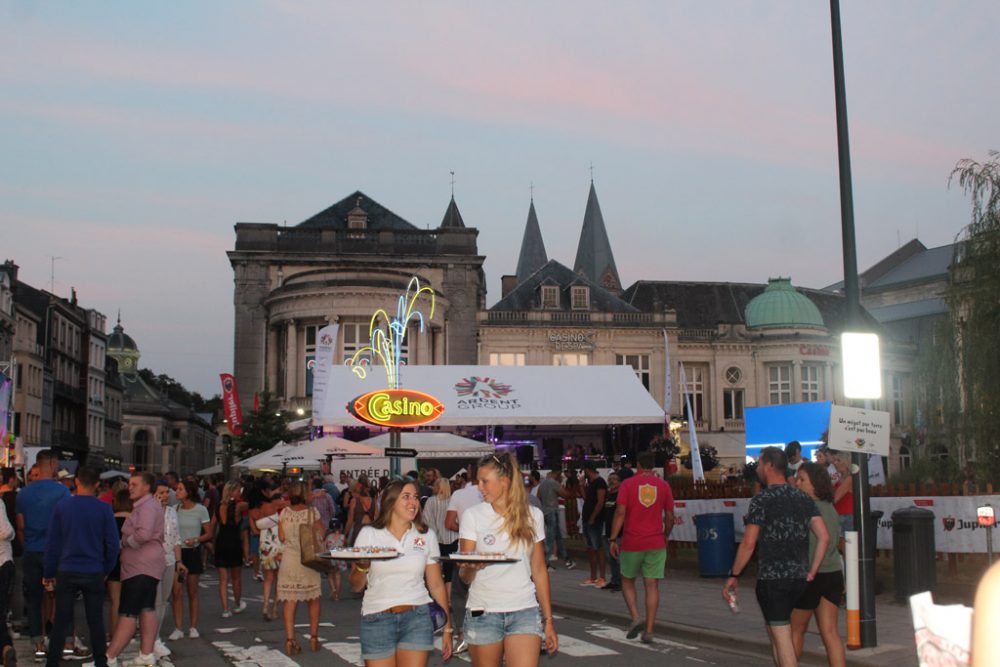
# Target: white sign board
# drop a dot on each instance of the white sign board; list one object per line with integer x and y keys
{"x": 857, "y": 430}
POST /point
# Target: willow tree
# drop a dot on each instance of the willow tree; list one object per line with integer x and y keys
{"x": 974, "y": 305}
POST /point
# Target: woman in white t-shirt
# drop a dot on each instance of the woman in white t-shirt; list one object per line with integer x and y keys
{"x": 509, "y": 610}
{"x": 396, "y": 625}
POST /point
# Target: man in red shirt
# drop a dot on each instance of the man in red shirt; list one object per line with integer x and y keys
{"x": 643, "y": 519}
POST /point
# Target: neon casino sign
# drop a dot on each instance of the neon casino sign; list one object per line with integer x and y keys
{"x": 398, "y": 408}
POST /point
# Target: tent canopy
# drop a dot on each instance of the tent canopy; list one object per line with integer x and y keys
{"x": 436, "y": 445}
{"x": 307, "y": 453}
{"x": 516, "y": 395}
{"x": 211, "y": 470}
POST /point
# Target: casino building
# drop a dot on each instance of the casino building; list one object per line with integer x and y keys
{"x": 741, "y": 344}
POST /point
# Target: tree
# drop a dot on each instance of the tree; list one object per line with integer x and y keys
{"x": 262, "y": 429}
{"x": 709, "y": 458}
{"x": 974, "y": 304}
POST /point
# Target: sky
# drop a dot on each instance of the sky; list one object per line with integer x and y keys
{"x": 136, "y": 135}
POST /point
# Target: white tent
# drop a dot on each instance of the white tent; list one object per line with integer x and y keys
{"x": 211, "y": 470}
{"x": 490, "y": 395}
{"x": 436, "y": 445}
{"x": 114, "y": 474}
{"x": 308, "y": 454}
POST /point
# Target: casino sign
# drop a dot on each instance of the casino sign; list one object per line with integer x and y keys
{"x": 396, "y": 408}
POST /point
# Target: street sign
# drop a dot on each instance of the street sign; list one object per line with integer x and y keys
{"x": 401, "y": 453}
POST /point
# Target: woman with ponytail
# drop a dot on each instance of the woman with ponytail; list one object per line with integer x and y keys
{"x": 509, "y": 610}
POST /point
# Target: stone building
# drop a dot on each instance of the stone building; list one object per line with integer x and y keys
{"x": 339, "y": 266}
{"x": 742, "y": 345}
{"x": 157, "y": 434}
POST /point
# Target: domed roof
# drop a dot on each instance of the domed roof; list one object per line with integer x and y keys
{"x": 121, "y": 341}
{"x": 780, "y": 305}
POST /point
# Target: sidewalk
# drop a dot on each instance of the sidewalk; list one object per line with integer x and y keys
{"x": 692, "y": 608}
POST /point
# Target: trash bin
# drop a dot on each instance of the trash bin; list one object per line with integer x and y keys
{"x": 913, "y": 551}
{"x": 716, "y": 544}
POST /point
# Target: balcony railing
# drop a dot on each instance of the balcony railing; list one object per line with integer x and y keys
{"x": 734, "y": 425}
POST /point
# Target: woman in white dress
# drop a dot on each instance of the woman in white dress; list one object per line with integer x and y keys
{"x": 509, "y": 610}
{"x": 396, "y": 625}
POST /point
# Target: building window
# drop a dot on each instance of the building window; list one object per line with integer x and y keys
{"x": 732, "y": 404}
{"x": 506, "y": 358}
{"x": 581, "y": 298}
{"x": 696, "y": 391}
{"x": 355, "y": 338}
{"x": 550, "y": 297}
{"x": 734, "y": 375}
{"x": 812, "y": 380}
{"x": 639, "y": 363}
{"x": 570, "y": 359}
{"x": 898, "y": 416}
{"x": 905, "y": 458}
{"x": 939, "y": 453}
{"x": 779, "y": 384}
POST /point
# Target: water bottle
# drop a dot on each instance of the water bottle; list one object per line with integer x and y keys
{"x": 731, "y": 601}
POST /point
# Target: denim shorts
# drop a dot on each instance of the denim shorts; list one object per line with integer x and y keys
{"x": 594, "y": 536}
{"x": 383, "y": 633}
{"x": 492, "y": 626}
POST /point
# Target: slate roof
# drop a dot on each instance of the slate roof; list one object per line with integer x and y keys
{"x": 452, "y": 216}
{"x": 526, "y": 295}
{"x": 532, "y": 256}
{"x": 379, "y": 217}
{"x": 593, "y": 253}
{"x": 930, "y": 264}
{"x": 910, "y": 310}
{"x": 704, "y": 305}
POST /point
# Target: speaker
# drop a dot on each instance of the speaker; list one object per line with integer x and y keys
{"x": 553, "y": 451}
{"x": 525, "y": 455}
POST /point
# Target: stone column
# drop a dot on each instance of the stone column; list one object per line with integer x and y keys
{"x": 291, "y": 362}
{"x": 272, "y": 358}
{"x": 828, "y": 381}
{"x": 437, "y": 333}
{"x": 797, "y": 381}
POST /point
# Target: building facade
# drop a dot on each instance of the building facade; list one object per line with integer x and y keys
{"x": 339, "y": 266}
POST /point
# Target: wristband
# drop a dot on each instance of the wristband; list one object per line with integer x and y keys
{"x": 733, "y": 575}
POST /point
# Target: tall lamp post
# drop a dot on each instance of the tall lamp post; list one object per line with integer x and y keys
{"x": 862, "y": 500}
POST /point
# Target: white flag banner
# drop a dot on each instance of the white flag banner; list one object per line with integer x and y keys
{"x": 699, "y": 473}
{"x": 668, "y": 394}
{"x": 326, "y": 341}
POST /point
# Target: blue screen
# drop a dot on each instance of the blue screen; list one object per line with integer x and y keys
{"x": 777, "y": 425}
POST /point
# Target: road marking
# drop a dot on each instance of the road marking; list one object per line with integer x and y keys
{"x": 226, "y": 631}
{"x": 324, "y": 624}
{"x": 704, "y": 662}
{"x": 618, "y": 635}
{"x": 579, "y": 648}
{"x": 347, "y": 652}
{"x": 254, "y": 655}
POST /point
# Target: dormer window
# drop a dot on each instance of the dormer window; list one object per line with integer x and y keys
{"x": 550, "y": 297}
{"x": 581, "y": 297}
{"x": 357, "y": 218}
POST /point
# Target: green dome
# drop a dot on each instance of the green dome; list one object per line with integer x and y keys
{"x": 780, "y": 305}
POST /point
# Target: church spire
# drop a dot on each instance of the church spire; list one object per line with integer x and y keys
{"x": 452, "y": 217}
{"x": 532, "y": 255}
{"x": 594, "y": 258}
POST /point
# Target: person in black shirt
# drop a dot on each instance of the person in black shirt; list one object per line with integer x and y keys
{"x": 610, "y": 503}
{"x": 779, "y": 521}
{"x": 593, "y": 525}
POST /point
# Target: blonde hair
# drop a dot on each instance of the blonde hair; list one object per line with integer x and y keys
{"x": 442, "y": 488}
{"x": 516, "y": 515}
{"x": 228, "y": 491}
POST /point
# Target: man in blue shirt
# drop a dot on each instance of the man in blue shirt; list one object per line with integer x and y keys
{"x": 82, "y": 550}
{"x": 35, "y": 504}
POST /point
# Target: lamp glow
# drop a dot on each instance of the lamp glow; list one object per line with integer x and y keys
{"x": 862, "y": 365}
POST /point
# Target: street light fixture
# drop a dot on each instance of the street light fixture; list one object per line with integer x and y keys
{"x": 862, "y": 365}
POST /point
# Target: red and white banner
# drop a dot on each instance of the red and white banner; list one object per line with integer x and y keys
{"x": 956, "y": 525}
{"x": 231, "y": 404}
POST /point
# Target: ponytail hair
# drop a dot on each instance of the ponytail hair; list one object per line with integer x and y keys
{"x": 517, "y": 520}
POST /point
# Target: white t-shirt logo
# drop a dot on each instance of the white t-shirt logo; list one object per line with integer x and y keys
{"x": 489, "y": 540}
{"x": 419, "y": 542}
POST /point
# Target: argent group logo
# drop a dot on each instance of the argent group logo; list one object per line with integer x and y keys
{"x": 482, "y": 387}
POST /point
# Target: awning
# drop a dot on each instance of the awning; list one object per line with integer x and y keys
{"x": 436, "y": 445}
{"x": 211, "y": 470}
{"x": 308, "y": 454}
{"x": 517, "y": 395}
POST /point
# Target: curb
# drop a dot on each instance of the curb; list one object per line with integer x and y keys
{"x": 722, "y": 641}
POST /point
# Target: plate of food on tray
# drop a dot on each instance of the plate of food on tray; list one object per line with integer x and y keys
{"x": 480, "y": 557}
{"x": 362, "y": 553}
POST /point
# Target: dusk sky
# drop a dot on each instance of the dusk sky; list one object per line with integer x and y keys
{"x": 136, "y": 134}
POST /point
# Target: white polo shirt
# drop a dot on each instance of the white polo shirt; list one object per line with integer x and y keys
{"x": 500, "y": 587}
{"x": 463, "y": 499}
{"x": 399, "y": 581}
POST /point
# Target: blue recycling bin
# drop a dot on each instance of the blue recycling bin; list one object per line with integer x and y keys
{"x": 716, "y": 544}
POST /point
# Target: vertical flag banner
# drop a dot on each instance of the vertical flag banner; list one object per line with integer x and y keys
{"x": 6, "y": 385}
{"x": 326, "y": 341}
{"x": 231, "y": 404}
{"x": 668, "y": 391}
{"x": 699, "y": 473}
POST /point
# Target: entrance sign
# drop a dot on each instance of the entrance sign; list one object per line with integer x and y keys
{"x": 857, "y": 430}
{"x": 396, "y": 408}
{"x": 401, "y": 453}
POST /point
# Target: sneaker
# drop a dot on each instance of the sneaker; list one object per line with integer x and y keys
{"x": 599, "y": 583}
{"x": 39, "y": 652}
{"x": 160, "y": 649}
{"x": 257, "y": 576}
{"x": 112, "y": 662}
{"x": 553, "y": 559}
{"x": 143, "y": 661}
{"x": 226, "y": 613}
{"x": 570, "y": 565}
{"x": 176, "y": 634}
{"x": 462, "y": 647}
{"x": 193, "y": 633}
{"x": 634, "y": 629}
{"x": 77, "y": 653}
{"x": 240, "y": 608}
{"x": 589, "y": 582}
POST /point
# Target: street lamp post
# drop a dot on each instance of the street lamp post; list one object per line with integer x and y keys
{"x": 862, "y": 500}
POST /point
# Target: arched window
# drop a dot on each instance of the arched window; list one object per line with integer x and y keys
{"x": 905, "y": 458}
{"x": 939, "y": 453}
{"x": 140, "y": 450}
